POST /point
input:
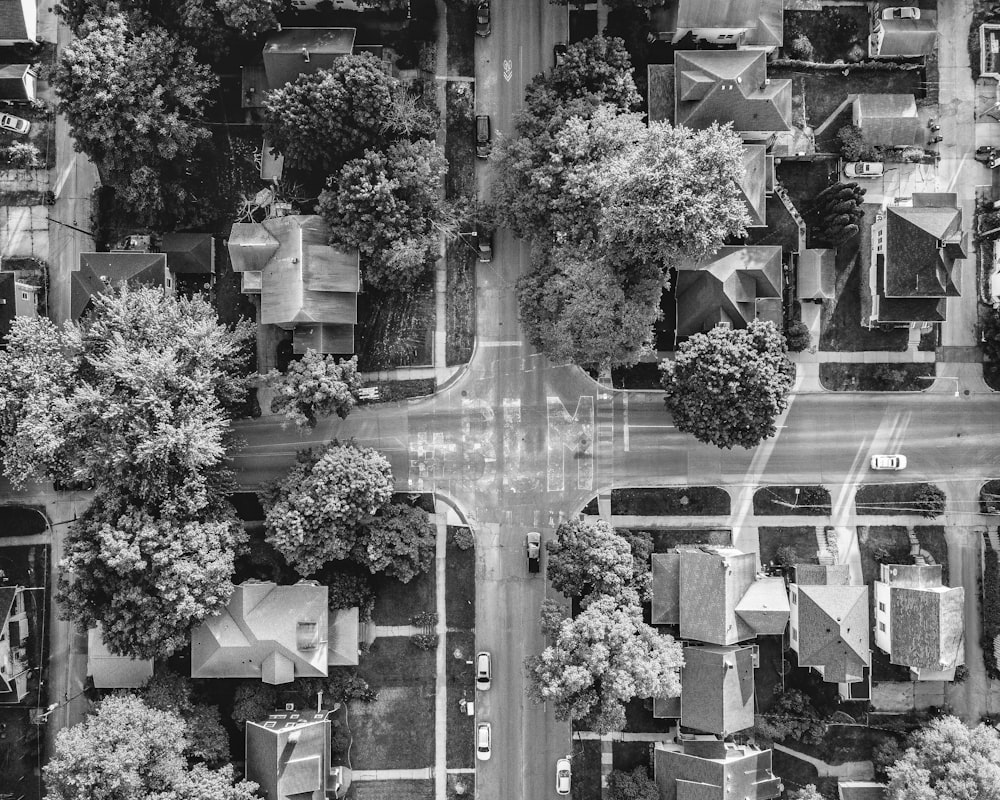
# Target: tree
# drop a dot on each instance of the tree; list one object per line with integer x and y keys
{"x": 947, "y": 759}
{"x": 931, "y": 500}
{"x": 837, "y": 210}
{"x": 634, "y": 785}
{"x": 249, "y": 17}
{"x": 347, "y": 587}
{"x": 886, "y": 753}
{"x": 641, "y": 544}
{"x": 323, "y": 120}
{"x": 791, "y": 717}
{"x": 798, "y": 337}
{"x": 147, "y": 579}
{"x": 131, "y": 97}
{"x": 807, "y": 792}
{"x": 603, "y": 658}
{"x": 551, "y": 617}
{"x": 313, "y": 515}
{"x": 399, "y": 541}
{"x": 252, "y": 702}
{"x": 727, "y": 386}
{"x": 314, "y": 386}
{"x": 207, "y": 739}
{"x": 389, "y": 204}
{"x": 852, "y": 142}
{"x": 588, "y": 557}
{"x": 802, "y": 48}
{"x": 129, "y": 751}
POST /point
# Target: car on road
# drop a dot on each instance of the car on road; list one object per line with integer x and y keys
{"x": 559, "y": 53}
{"x": 901, "y": 12}
{"x": 483, "y": 18}
{"x": 484, "y": 670}
{"x": 483, "y": 741}
{"x": 563, "y": 776}
{"x": 533, "y": 541}
{"x": 864, "y": 169}
{"x": 484, "y": 240}
{"x": 894, "y": 462}
{"x": 11, "y": 123}
{"x": 483, "y": 136}
{"x": 988, "y": 155}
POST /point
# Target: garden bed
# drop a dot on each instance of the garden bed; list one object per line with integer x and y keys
{"x": 670, "y": 502}
{"x": 783, "y": 501}
{"x": 460, "y": 583}
{"x": 890, "y": 499}
{"x": 396, "y": 602}
{"x": 393, "y": 391}
{"x": 407, "y": 789}
{"x": 858, "y": 377}
{"x": 832, "y": 32}
{"x": 461, "y": 728}
{"x": 801, "y": 538}
{"x": 586, "y": 769}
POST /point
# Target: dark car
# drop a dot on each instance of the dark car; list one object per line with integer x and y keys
{"x": 483, "y": 18}
{"x": 483, "y": 136}
{"x": 534, "y": 545}
{"x": 990, "y": 156}
{"x": 485, "y": 241}
{"x": 559, "y": 52}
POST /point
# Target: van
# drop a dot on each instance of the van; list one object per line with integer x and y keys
{"x": 483, "y": 136}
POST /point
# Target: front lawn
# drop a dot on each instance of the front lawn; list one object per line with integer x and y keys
{"x": 890, "y": 499}
{"x": 396, "y": 329}
{"x": 990, "y": 600}
{"x": 392, "y": 790}
{"x": 671, "y": 502}
{"x": 801, "y": 538}
{"x": 833, "y": 32}
{"x": 783, "y": 500}
{"x": 394, "y": 732}
{"x": 626, "y": 756}
{"x": 460, "y": 584}
{"x": 461, "y": 728}
{"x": 932, "y": 540}
{"x": 460, "y": 255}
{"x": 882, "y": 544}
{"x": 666, "y": 539}
{"x": 396, "y": 602}
{"x": 859, "y": 377}
{"x": 586, "y": 769}
{"x": 843, "y": 743}
{"x": 394, "y": 661}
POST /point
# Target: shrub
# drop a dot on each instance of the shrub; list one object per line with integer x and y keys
{"x": 930, "y": 500}
{"x": 425, "y": 641}
{"x": 852, "y": 142}
{"x": 798, "y": 337}
{"x": 464, "y": 538}
{"x": 425, "y": 619}
{"x": 802, "y": 49}
{"x": 23, "y": 155}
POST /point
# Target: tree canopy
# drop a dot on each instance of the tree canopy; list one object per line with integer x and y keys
{"x": 728, "y": 386}
{"x": 634, "y": 785}
{"x": 588, "y": 557}
{"x": 399, "y": 540}
{"x": 207, "y": 740}
{"x": 314, "y": 386}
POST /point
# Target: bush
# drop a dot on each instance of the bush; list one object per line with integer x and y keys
{"x": 425, "y": 619}
{"x": 852, "y": 142}
{"x": 802, "y": 49}
{"x": 425, "y": 641}
{"x": 23, "y": 155}
{"x": 797, "y": 337}
{"x": 464, "y": 538}
{"x": 930, "y": 500}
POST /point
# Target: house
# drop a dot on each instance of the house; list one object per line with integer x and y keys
{"x": 914, "y": 250}
{"x": 275, "y": 633}
{"x": 189, "y": 253}
{"x": 14, "y": 667}
{"x": 18, "y": 22}
{"x": 303, "y": 51}
{"x": 717, "y": 690}
{"x": 85, "y": 285}
{"x": 343, "y": 632}
{"x": 130, "y": 266}
{"x": 17, "y": 82}
{"x": 305, "y": 285}
{"x": 730, "y": 286}
{"x": 860, "y": 790}
{"x": 18, "y": 298}
{"x": 706, "y": 768}
{"x": 886, "y": 120}
{"x": 716, "y": 595}
{"x": 829, "y": 622}
{"x": 816, "y": 274}
{"x": 919, "y": 621}
{"x": 730, "y": 86}
{"x": 748, "y": 24}
{"x": 110, "y": 671}
{"x": 891, "y": 38}
{"x": 288, "y": 756}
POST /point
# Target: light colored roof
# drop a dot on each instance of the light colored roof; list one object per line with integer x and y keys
{"x": 861, "y": 790}
{"x": 817, "y": 275}
{"x": 717, "y": 689}
{"x": 286, "y": 755}
{"x": 712, "y": 582}
{"x": 927, "y": 622}
{"x": 753, "y": 183}
{"x": 887, "y": 119}
{"x": 764, "y": 607}
{"x": 908, "y": 37}
{"x": 268, "y": 631}
{"x": 822, "y": 574}
{"x": 342, "y": 637}
{"x": 110, "y": 671}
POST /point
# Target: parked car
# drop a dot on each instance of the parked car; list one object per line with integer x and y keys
{"x": 559, "y": 52}
{"x": 563, "y": 776}
{"x": 864, "y": 169}
{"x": 895, "y": 462}
{"x": 901, "y": 12}
{"x": 483, "y": 740}
{"x": 483, "y": 136}
{"x": 11, "y": 123}
{"x": 483, "y": 18}
{"x": 534, "y": 546}
{"x": 988, "y": 155}
{"x": 485, "y": 241}
{"x": 484, "y": 671}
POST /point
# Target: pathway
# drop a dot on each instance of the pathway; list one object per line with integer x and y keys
{"x": 862, "y": 770}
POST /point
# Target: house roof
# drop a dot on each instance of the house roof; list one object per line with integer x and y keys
{"x": 286, "y": 755}
{"x": 764, "y": 606}
{"x": 7, "y": 596}
{"x": 725, "y": 286}
{"x": 817, "y": 275}
{"x": 753, "y": 183}
{"x": 14, "y": 23}
{"x": 303, "y": 51}
{"x": 12, "y": 81}
{"x": 861, "y": 790}
{"x": 833, "y": 630}
{"x": 713, "y": 770}
{"x": 906, "y": 309}
{"x": 84, "y": 286}
{"x": 770, "y": 28}
{"x": 717, "y": 689}
{"x": 927, "y": 629}
{"x": 666, "y": 606}
{"x": 730, "y": 86}
{"x": 342, "y": 637}
{"x": 110, "y": 671}
{"x": 762, "y": 19}
{"x": 887, "y": 119}
{"x": 712, "y": 582}
{"x": 131, "y": 266}
{"x": 908, "y": 37}
{"x": 922, "y": 243}
{"x": 189, "y": 253}
{"x": 822, "y": 575}
{"x": 267, "y": 631}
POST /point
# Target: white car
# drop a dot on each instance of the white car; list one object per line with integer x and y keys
{"x": 864, "y": 169}
{"x": 483, "y": 736}
{"x": 889, "y": 462}
{"x": 484, "y": 671}
{"x": 563, "y": 776}
{"x": 901, "y": 12}
{"x": 11, "y": 123}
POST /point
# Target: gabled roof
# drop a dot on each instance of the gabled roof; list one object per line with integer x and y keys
{"x": 922, "y": 243}
{"x": 110, "y": 671}
{"x": 770, "y": 29}
{"x": 906, "y": 309}
{"x": 887, "y": 119}
{"x": 84, "y": 286}
{"x": 927, "y": 626}
{"x": 15, "y": 23}
{"x": 753, "y": 183}
{"x": 822, "y": 575}
{"x": 712, "y": 582}
{"x": 730, "y": 86}
{"x": 762, "y": 19}
{"x": 131, "y": 266}
{"x": 817, "y": 274}
{"x": 287, "y": 755}
{"x": 833, "y": 630}
{"x": 275, "y": 633}
{"x": 303, "y": 51}
{"x": 14, "y": 80}
{"x": 710, "y": 769}
{"x": 189, "y": 253}
{"x": 717, "y": 689}
{"x": 908, "y": 37}
{"x": 725, "y": 286}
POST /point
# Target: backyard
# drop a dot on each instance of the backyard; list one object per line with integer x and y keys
{"x": 832, "y": 32}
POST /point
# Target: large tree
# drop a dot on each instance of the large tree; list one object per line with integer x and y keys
{"x": 399, "y": 541}
{"x": 728, "y": 386}
{"x": 314, "y": 514}
{"x": 389, "y": 204}
{"x": 146, "y": 577}
{"x": 129, "y": 751}
{"x": 207, "y": 740}
{"x": 324, "y": 119}
{"x": 634, "y": 785}
{"x": 587, "y": 557}
{"x": 314, "y": 386}
{"x": 602, "y": 659}
{"x": 949, "y": 760}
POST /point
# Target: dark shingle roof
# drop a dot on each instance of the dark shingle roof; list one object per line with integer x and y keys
{"x": 918, "y": 262}
{"x": 13, "y": 24}
{"x": 84, "y": 285}
{"x": 296, "y": 51}
{"x": 833, "y": 630}
{"x": 127, "y": 266}
{"x": 189, "y": 253}
{"x": 717, "y": 689}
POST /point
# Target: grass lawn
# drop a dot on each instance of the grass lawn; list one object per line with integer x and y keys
{"x": 669, "y": 538}
{"x": 392, "y": 391}
{"x": 833, "y": 32}
{"x": 782, "y": 500}
{"x": 396, "y": 731}
{"x": 460, "y": 585}
{"x": 856, "y": 377}
{"x": 394, "y": 661}
{"x": 461, "y": 685}
{"x": 803, "y": 180}
{"x": 872, "y": 538}
{"x": 396, "y": 602}
{"x": 889, "y": 499}
{"x": 19, "y": 754}
{"x": 767, "y": 678}
{"x": 392, "y": 790}
{"x": 22, "y": 521}
{"x": 794, "y": 772}
{"x": 639, "y": 718}
{"x": 586, "y": 769}
{"x": 626, "y": 756}
{"x": 396, "y": 329}
{"x": 460, "y": 787}
{"x": 990, "y": 598}
{"x": 882, "y": 669}
{"x": 932, "y": 540}
{"x": 846, "y": 743}
{"x": 644, "y": 375}
{"x": 461, "y": 24}
{"x": 669, "y": 502}
{"x": 801, "y": 538}
{"x": 460, "y": 255}
{"x": 989, "y": 497}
